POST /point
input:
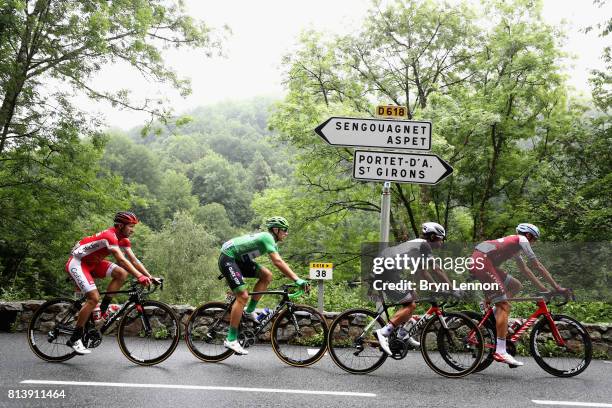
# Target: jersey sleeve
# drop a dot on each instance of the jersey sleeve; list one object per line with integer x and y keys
{"x": 426, "y": 250}
{"x": 268, "y": 243}
{"x": 125, "y": 243}
{"x": 111, "y": 239}
{"x": 526, "y": 248}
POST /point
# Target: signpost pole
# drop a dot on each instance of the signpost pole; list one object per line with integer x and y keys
{"x": 320, "y": 295}
{"x": 385, "y": 210}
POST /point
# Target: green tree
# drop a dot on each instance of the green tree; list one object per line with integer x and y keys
{"x": 175, "y": 194}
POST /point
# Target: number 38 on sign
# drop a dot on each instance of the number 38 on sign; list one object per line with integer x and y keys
{"x": 322, "y": 271}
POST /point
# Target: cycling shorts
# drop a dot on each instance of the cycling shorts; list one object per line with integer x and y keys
{"x": 234, "y": 270}
{"x": 402, "y": 297}
{"x": 84, "y": 273}
{"x": 489, "y": 273}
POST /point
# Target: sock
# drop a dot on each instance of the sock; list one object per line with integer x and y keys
{"x": 232, "y": 334}
{"x": 78, "y": 333}
{"x": 500, "y": 348}
{"x": 251, "y": 306}
{"x": 104, "y": 305}
{"x": 386, "y": 331}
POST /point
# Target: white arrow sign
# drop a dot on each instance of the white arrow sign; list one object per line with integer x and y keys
{"x": 399, "y": 167}
{"x": 392, "y": 134}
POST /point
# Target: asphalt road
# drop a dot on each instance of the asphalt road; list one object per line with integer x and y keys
{"x": 262, "y": 380}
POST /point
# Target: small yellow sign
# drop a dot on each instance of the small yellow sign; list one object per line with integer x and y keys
{"x": 391, "y": 111}
{"x": 321, "y": 265}
{"x": 321, "y": 270}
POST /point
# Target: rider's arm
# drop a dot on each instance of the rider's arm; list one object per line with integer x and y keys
{"x": 123, "y": 262}
{"x": 527, "y": 272}
{"x": 137, "y": 264}
{"x": 282, "y": 266}
{"x": 535, "y": 263}
{"x": 440, "y": 275}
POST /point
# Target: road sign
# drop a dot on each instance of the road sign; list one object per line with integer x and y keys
{"x": 415, "y": 168}
{"x": 391, "y": 134}
{"x": 391, "y": 110}
{"x": 322, "y": 271}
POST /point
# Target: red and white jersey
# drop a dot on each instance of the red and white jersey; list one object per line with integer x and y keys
{"x": 95, "y": 248}
{"x": 502, "y": 249}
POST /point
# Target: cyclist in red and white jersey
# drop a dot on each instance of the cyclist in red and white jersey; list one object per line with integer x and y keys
{"x": 488, "y": 256}
{"x": 87, "y": 261}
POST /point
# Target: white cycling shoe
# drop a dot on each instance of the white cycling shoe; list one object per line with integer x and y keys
{"x": 78, "y": 347}
{"x": 383, "y": 341}
{"x": 507, "y": 359}
{"x": 235, "y": 347}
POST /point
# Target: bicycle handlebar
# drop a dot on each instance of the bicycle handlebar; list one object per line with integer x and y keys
{"x": 567, "y": 296}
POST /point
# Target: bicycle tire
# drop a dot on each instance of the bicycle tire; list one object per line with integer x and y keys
{"x": 462, "y": 338}
{"x": 571, "y": 330}
{"x": 310, "y": 341}
{"x": 489, "y": 335}
{"x": 164, "y": 336}
{"x": 343, "y": 339}
{"x": 37, "y": 325}
{"x": 197, "y": 332}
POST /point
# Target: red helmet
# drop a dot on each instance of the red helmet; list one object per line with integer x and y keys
{"x": 126, "y": 217}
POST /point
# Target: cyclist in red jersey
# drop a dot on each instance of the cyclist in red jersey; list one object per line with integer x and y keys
{"x": 87, "y": 262}
{"x": 488, "y": 256}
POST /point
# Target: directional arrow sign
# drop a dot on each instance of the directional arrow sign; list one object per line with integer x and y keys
{"x": 392, "y": 134}
{"x": 399, "y": 167}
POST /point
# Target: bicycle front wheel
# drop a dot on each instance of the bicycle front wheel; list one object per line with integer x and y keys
{"x": 564, "y": 356}
{"x": 299, "y": 335}
{"x": 51, "y": 327}
{"x": 452, "y": 345}
{"x": 352, "y": 343}
{"x": 206, "y": 330}
{"x": 148, "y": 332}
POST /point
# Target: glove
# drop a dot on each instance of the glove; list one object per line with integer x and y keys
{"x": 301, "y": 282}
{"x": 144, "y": 280}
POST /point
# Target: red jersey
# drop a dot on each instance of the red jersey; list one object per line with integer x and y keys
{"x": 95, "y": 248}
{"x": 502, "y": 249}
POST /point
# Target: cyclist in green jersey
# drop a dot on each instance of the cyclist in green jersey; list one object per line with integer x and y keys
{"x": 237, "y": 262}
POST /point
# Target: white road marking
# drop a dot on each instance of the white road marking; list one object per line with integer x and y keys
{"x": 200, "y": 387}
{"x": 572, "y": 403}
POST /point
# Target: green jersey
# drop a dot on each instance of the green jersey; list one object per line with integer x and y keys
{"x": 252, "y": 245}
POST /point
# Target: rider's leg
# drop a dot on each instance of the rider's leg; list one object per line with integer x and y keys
{"x": 118, "y": 275}
{"x": 236, "y": 314}
{"x": 265, "y": 277}
{"x": 93, "y": 297}
{"x": 403, "y": 315}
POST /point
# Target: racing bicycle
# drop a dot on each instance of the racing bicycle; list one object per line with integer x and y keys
{"x": 298, "y": 333}
{"x": 446, "y": 344}
{"x": 558, "y": 343}
{"x": 148, "y": 330}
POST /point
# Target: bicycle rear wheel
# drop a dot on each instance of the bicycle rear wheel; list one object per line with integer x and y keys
{"x": 148, "y": 332}
{"x": 566, "y": 360}
{"x": 206, "y": 330}
{"x": 455, "y": 350}
{"x": 51, "y": 327}
{"x": 352, "y": 343}
{"x": 299, "y": 335}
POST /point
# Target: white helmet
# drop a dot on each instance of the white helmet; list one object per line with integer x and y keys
{"x": 530, "y": 228}
{"x": 434, "y": 228}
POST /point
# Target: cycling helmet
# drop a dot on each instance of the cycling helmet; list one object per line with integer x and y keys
{"x": 277, "y": 222}
{"x": 435, "y": 229}
{"x": 126, "y": 217}
{"x": 530, "y": 228}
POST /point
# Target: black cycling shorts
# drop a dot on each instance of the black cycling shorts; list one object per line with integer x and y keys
{"x": 235, "y": 270}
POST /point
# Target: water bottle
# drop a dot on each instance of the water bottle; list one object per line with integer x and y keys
{"x": 263, "y": 314}
{"x": 96, "y": 314}
{"x": 402, "y": 332}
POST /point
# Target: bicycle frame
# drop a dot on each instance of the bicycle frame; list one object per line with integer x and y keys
{"x": 285, "y": 302}
{"x": 542, "y": 310}
{"x": 434, "y": 310}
